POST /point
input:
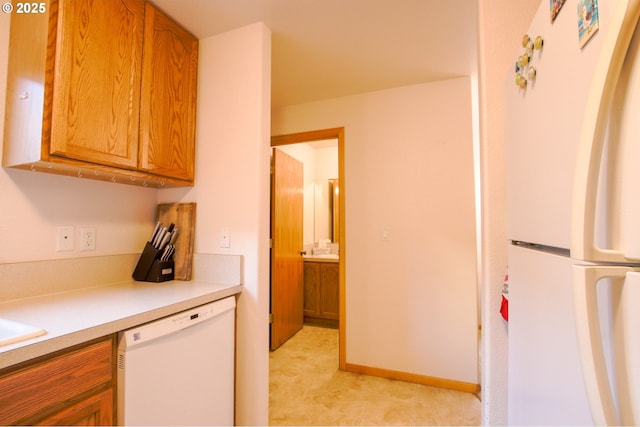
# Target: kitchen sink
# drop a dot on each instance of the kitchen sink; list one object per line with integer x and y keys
{"x": 13, "y": 332}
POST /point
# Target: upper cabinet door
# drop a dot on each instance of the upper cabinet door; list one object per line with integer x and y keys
{"x": 97, "y": 81}
{"x": 168, "y": 103}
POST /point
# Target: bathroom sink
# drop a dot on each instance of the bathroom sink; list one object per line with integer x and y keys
{"x": 12, "y": 332}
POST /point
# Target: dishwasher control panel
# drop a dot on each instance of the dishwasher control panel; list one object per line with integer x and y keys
{"x": 176, "y": 322}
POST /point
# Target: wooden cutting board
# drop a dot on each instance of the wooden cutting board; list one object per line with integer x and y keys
{"x": 183, "y": 215}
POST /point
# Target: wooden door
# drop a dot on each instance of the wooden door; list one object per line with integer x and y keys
{"x": 97, "y": 84}
{"x": 287, "y": 297}
{"x": 168, "y": 100}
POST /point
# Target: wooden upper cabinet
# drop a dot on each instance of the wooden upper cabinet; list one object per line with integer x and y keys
{"x": 102, "y": 89}
{"x": 168, "y": 110}
{"x": 97, "y": 86}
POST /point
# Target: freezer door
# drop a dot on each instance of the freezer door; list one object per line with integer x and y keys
{"x": 545, "y": 384}
{"x": 542, "y": 128}
{"x": 606, "y": 206}
{"x": 607, "y": 300}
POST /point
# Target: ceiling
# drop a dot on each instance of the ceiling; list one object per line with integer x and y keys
{"x": 325, "y": 49}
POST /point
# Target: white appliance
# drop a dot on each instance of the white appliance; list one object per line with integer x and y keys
{"x": 573, "y": 170}
{"x": 179, "y": 370}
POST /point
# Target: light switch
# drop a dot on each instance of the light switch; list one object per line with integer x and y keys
{"x": 225, "y": 238}
{"x": 385, "y": 235}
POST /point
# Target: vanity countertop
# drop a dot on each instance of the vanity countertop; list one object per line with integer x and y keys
{"x": 77, "y": 316}
{"x": 322, "y": 258}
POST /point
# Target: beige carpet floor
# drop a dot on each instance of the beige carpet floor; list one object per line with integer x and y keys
{"x": 306, "y": 388}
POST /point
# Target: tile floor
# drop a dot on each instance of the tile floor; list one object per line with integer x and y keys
{"x": 306, "y": 388}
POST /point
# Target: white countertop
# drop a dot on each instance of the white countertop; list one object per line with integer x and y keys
{"x": 322, "y": 258}
{"x": 77, "y": 316}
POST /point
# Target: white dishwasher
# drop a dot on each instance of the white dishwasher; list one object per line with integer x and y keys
{"x": 179, "y": 370}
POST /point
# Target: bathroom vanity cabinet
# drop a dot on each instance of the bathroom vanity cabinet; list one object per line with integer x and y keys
{"x": 321, "y": 292}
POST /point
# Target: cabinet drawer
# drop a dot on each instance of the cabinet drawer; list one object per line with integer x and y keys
{"x": 44, "y": 385}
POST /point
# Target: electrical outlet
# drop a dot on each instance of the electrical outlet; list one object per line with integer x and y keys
{"x": 64, "y": 239}
{"x": 88, "y": 239}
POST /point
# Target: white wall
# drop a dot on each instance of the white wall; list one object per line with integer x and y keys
{"x": 327, "y": 163}
{"x": 411, "y": 300}
{"x": 502, "y": 25}
{"x": 232, "y": 191}
{"x": 34, "y": 204}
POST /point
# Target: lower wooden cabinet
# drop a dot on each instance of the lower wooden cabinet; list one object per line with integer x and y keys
{"x": 72, "y": 387}
{"x": 95, "y": 410}
{"x": 321, "y": 293}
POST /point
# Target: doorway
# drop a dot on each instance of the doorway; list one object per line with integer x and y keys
{"x": 319, "y": 135}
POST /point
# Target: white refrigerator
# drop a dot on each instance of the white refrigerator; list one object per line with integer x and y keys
{"x": 573, "y": 199}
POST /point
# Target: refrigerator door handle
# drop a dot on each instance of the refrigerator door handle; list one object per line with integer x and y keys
{"x": 591, "y": 144}
{"x": 598, "y": 387}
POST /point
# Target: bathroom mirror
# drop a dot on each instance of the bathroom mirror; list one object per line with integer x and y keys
{"x": 326, "y": 207}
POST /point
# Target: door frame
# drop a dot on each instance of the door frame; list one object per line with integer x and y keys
{"x": 318, "y": 135}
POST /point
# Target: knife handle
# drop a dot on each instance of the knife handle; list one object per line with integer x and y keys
{"x": 159, "y": 237}
{"x": 168, "y": 251}
{"x": 165, "y": 239}
{"x": 173, "y": 236}
{"x": 155, "y": 231}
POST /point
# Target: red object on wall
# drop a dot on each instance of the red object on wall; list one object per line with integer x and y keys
{"x": 504, "y": 306}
